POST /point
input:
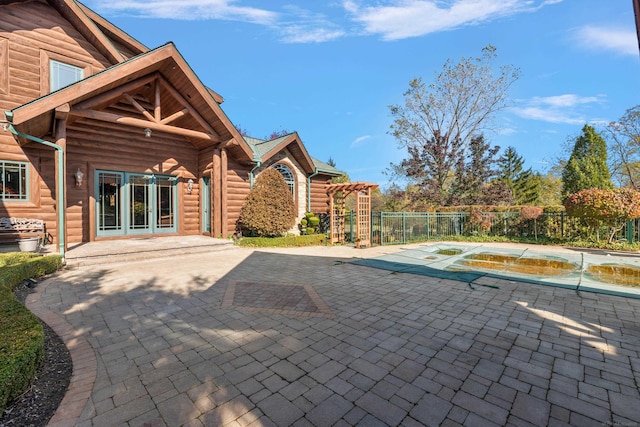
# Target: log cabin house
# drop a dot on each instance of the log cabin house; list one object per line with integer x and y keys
{"x": 104, "y": 138}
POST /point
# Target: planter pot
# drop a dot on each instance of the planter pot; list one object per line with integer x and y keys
{"x": 29, "y": 244}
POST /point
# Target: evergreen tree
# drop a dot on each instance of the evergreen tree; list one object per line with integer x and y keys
{"x": 269, "y": 210}
{"x": 473, "y": 174}
{"x": 587, "y": 167}
{"x": 549, "y": 189}
{"x": 523, "y": 184}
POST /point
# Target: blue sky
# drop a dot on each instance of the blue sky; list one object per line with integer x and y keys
{"x": 330, "y": 69}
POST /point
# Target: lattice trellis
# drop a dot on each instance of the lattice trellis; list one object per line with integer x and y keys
{"x": 337, "y": 195}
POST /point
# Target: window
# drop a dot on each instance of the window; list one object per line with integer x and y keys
{"x": 62, "y": 74}
{"x": 288, "y": 177}
{"x": 13, "y": 183}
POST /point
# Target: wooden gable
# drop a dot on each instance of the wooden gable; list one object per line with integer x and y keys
{"x": 294, "y": 145}
{"x": 155, "y": 90}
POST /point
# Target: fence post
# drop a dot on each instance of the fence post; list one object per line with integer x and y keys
{"x": 629, "y": 231}
{"x": 382, "y": 233}
{"x": 404, "y": 228}
{"x": 506, "y": 224}
{"x": 428, "y": 227}
{"x": 562, "y": 225}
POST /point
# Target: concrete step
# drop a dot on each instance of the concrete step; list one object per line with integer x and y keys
{"x": 97, "y": 253}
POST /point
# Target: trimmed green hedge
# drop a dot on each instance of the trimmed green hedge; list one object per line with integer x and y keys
{"x": 21, "y": 334}
{"x": 283, "y": 242}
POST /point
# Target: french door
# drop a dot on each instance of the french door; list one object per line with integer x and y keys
{"x": 132, "y": 203}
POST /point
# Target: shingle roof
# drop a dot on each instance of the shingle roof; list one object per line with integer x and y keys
{"x": 261, "y": 147}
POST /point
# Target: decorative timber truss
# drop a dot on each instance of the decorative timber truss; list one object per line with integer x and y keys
{"x": 337, "y": 196}
{"x": 160, "y": 107}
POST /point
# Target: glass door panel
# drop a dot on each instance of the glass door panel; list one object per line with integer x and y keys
{"x": 109, "y": 202}
{"x": 165, "y": 203}
{"x": 139, "y": 202}
{"x": 129, "y": 204}
{"x": 206, "y": 204}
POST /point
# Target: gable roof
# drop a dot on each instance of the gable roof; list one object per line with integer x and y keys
{"x": 74, "y": 13}
{"x": 114, "y": 33}
{"x": 326, "y": 168}
{"x": 265, "y": 149}
{"x": 164, "y": 64}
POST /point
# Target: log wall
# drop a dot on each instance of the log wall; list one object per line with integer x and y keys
{"x": 28, "y": 30}
{"x": 100, "y": 145}
{"x": 319, "y": 198}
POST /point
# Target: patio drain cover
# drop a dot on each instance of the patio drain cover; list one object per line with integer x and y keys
{"x": 280, "y": 298}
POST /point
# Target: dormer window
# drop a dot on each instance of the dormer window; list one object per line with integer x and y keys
{"x": 62, "y": 74}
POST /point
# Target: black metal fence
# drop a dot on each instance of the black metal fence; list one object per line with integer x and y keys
{"x": 389, "y": 228}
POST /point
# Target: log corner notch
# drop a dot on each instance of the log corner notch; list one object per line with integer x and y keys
{"x": 337, "y": 196}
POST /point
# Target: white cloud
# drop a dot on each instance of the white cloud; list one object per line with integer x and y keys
{"x": 302, "y": 34}
{"x": 293, "y": 24}
{"x": 359, "y": 140}
{"x": 400, "y": 19}
{"x": 565, "y": 109}
{"x": 189, "y": 10}
{"x": 617, "y": 40}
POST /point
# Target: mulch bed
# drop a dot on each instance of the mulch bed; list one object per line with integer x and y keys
{"x": 39, "y": 402}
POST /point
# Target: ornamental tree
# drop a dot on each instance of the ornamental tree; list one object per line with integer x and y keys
{"x": 269, "y": 209}
{"x": 532, "y": 213}
{"x": 612, "y": 208}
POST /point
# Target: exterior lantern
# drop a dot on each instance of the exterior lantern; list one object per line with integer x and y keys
{"x": 79, "y": 176}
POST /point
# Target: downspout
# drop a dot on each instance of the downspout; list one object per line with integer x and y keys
{"x": 258, "y": 164}
{"x": 316, "y": 172}
{"x": 60, "y": 178}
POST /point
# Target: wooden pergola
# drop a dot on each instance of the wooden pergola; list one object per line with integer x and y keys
{"x": 337, "y": 196}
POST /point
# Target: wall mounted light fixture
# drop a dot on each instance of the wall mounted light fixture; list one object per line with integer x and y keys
{"x": 4, "y": 125}
{"x": 79, "y": 176}
{"x": 147, "y": 133}
{"x": 190, "y": 186}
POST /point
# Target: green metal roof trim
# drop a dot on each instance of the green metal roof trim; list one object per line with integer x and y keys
{"x": 325, "y": 167}
{"x": 260, "y": 147}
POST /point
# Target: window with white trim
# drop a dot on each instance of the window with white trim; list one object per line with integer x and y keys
{"x": 14, "y": 181}
{"x": 288, "y": 177}
{"x": 62, "y": 74}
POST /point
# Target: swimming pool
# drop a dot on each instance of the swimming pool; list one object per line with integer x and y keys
{"x": 616, "y": 274}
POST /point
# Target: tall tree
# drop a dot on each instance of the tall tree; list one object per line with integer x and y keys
{"x": 549, "y": 189}
{"x": 437, "y": 121}
{"x": 521, "y": 182}
{"x": 587, "y": 167}
{"x": 473, "y": 174}
{"x": 430, "y": 168}
{"x": 624, "y": 146}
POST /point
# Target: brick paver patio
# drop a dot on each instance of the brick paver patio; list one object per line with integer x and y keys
{"x": 178, "y": 342}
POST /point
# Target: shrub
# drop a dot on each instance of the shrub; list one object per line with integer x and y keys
{"x": 612, "y": 208}
{"x": 310, "y": 223}
{"x": 269, "y": 209}
{"x": 21, "y": 334}
{"x": 283, "y": 242}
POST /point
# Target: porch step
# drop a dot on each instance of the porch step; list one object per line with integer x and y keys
{"x": 117, "y": 251}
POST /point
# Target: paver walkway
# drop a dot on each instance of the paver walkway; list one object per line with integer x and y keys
{"x": 302, "y": 337}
